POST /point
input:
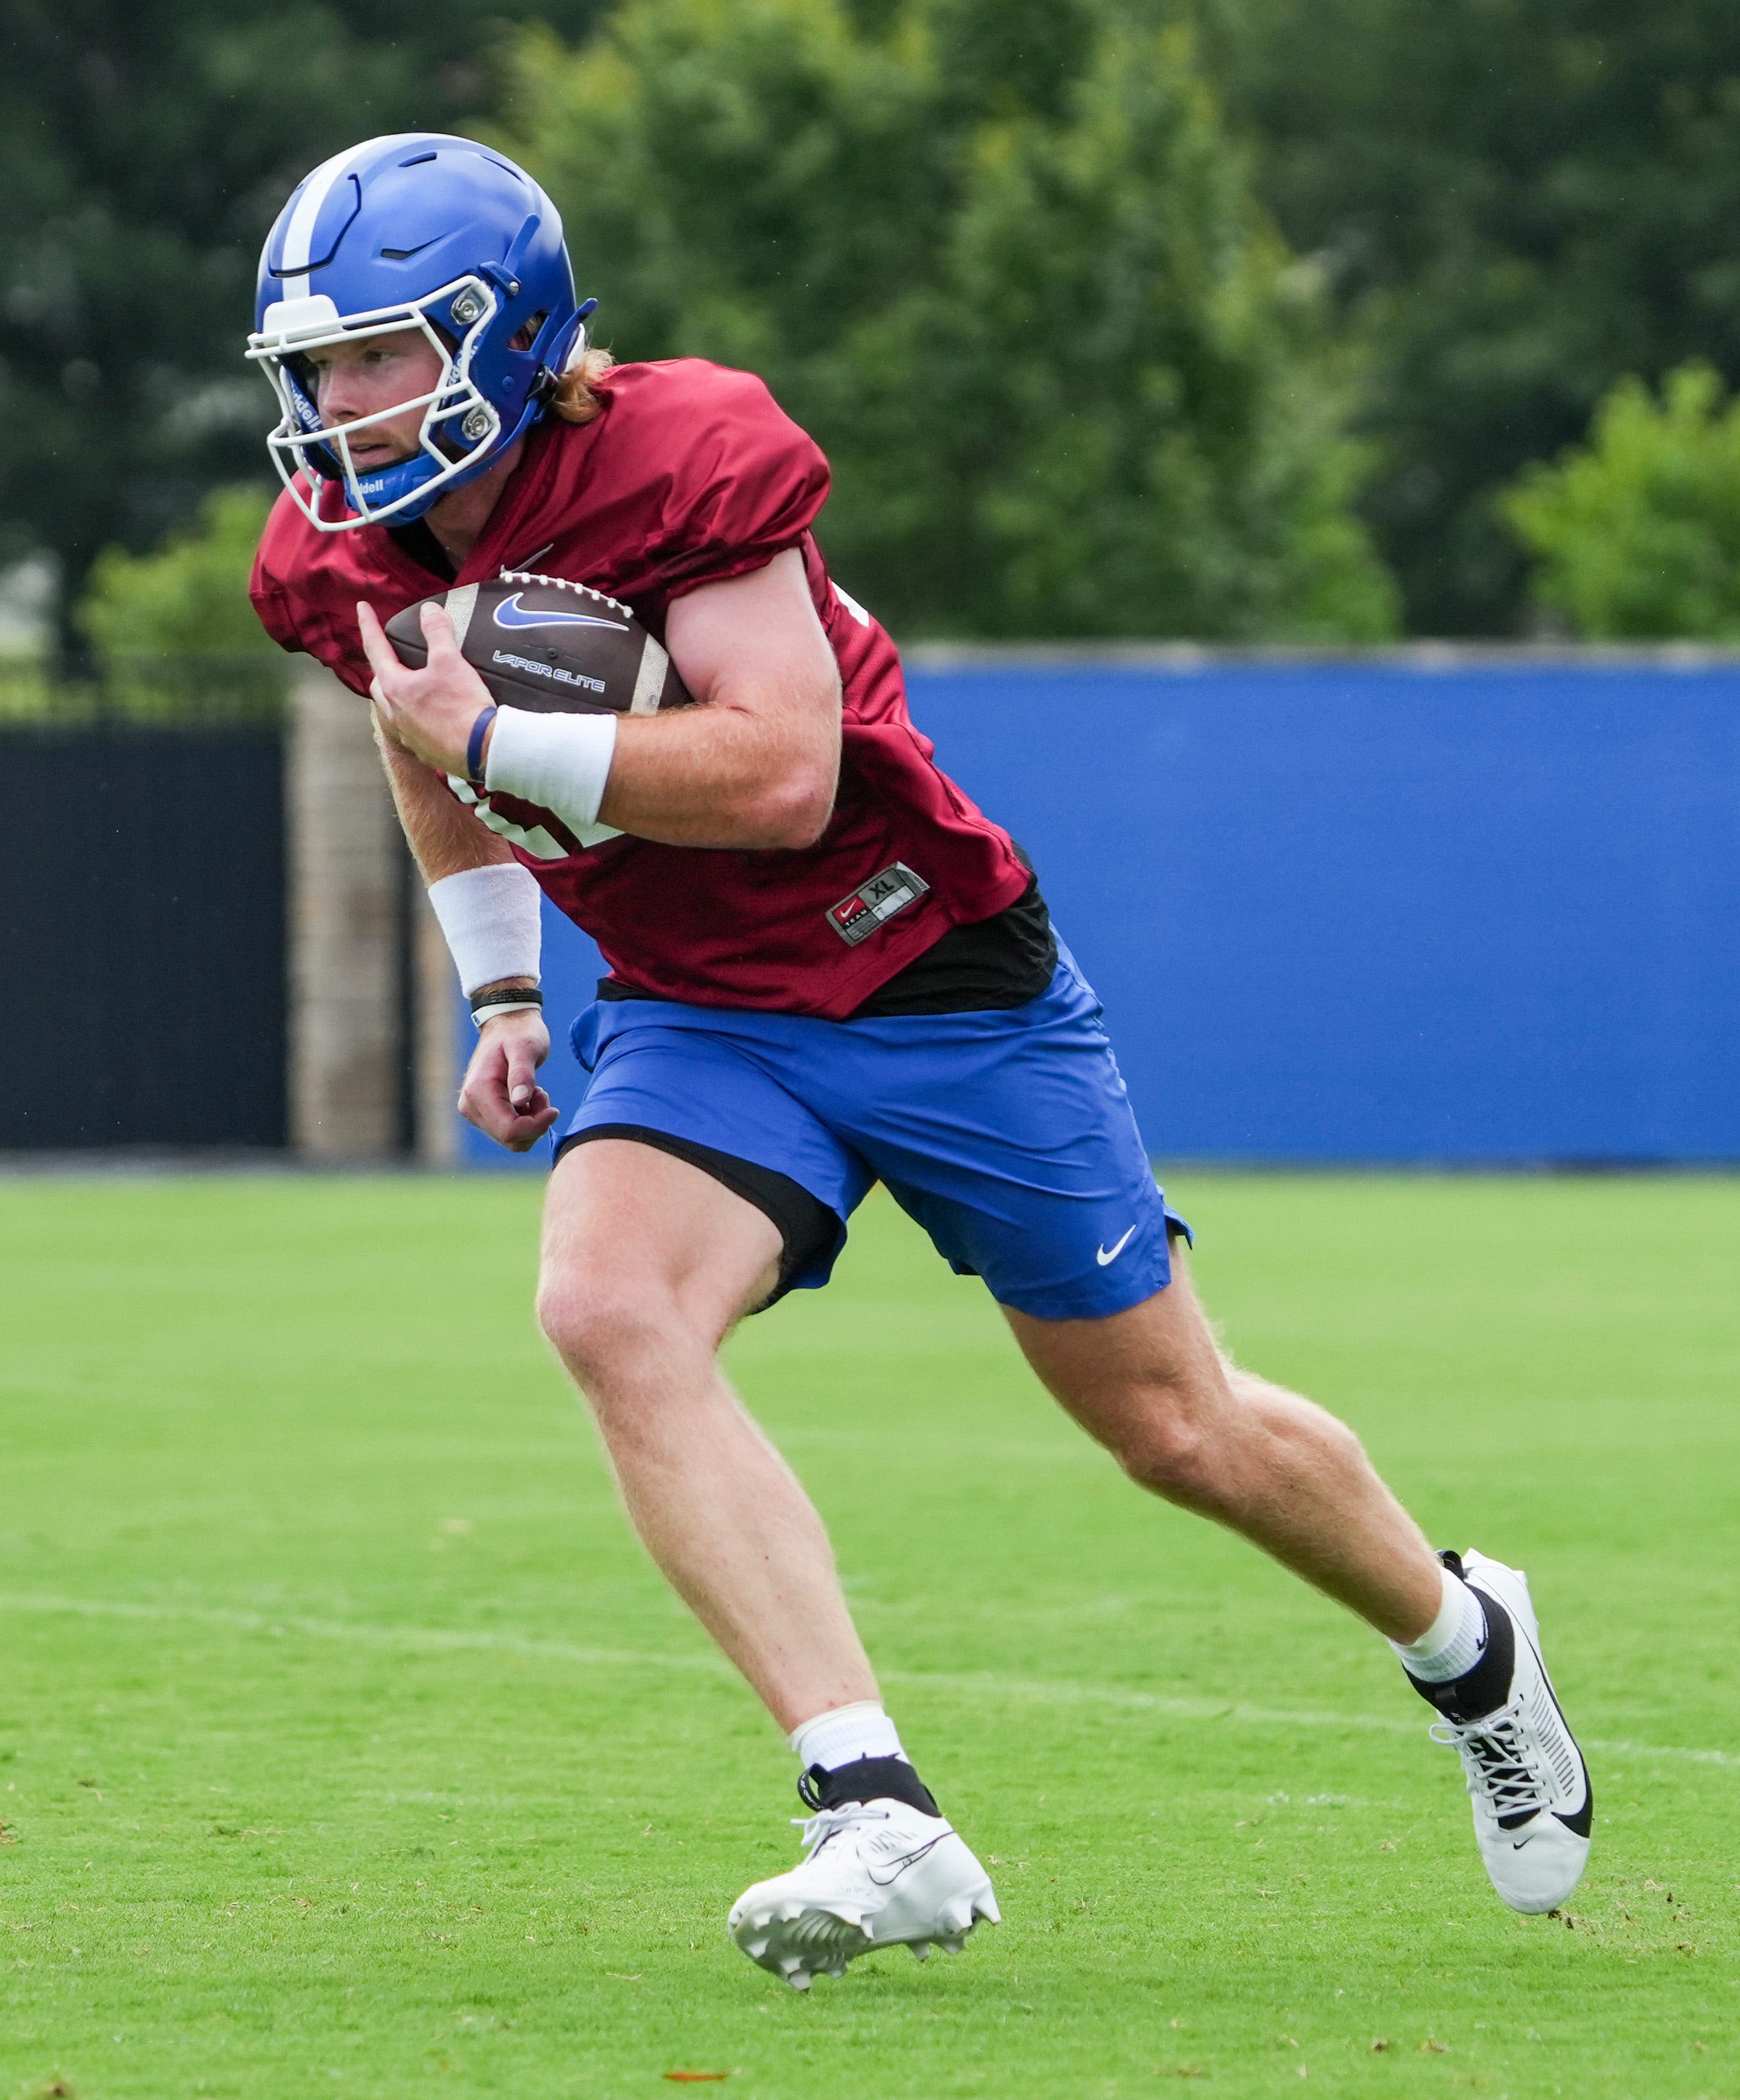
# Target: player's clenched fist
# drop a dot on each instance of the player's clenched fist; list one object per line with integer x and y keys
{"x": 501, "y": 1094}
{"x": 431, "y": 711}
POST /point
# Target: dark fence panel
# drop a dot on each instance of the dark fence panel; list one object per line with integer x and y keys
{"x": 142, "y": 938}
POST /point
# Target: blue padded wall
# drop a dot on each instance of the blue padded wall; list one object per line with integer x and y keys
{"x": 1397, "y": 909}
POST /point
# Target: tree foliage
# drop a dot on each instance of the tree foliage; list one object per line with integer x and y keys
{"x": 1016, "y": 244}
{"x": 1004, "y": 261}
{"x": 190, "y": 596}
{"x": 173, "y": 632}
{"x": 145, "y": 149}
{"x": 1517, "y": 202}
{"x": 1637, "y": 533}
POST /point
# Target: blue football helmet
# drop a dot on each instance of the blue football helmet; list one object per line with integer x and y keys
{"x": 415, "y": 231}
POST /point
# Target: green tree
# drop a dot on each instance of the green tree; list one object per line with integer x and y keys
{"x": 1517, "y": 202}
{"x": 174, "y": 632}
{"x": 1636, "y": 534}
{"x": 145, "y": 146}
{"x": 1010, "y": 273}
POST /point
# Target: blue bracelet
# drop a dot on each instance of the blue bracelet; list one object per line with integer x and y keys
{"x": 474, "y": 748}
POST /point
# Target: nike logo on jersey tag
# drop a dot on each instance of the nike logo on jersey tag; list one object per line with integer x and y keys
{"x": 511, "y": 613}
{"x": 1105, "y": 1259}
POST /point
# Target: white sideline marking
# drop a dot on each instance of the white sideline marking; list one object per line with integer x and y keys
{"x": 1041, "y": 1690}
{"x": 413, "y": 1640}
{"x": 1059, "y": 1691}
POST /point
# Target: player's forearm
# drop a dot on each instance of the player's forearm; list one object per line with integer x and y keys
{"x": 491, "y": 949}
{"x": 722, "y": 776}
{"x": 444, "y": 838}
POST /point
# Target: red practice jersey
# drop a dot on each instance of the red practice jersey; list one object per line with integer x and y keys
{"x": 692, "y": 475}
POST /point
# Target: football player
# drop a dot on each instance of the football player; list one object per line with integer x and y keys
{"x": 827, "y": 968}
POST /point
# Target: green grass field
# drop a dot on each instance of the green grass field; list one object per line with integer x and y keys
{"x": 348, "y": 1746}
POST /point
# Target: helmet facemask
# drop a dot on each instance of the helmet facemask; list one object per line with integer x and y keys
{"x": 459, "y": 430}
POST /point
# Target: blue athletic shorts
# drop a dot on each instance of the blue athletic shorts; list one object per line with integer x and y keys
{"x": 1008, "y": 1136}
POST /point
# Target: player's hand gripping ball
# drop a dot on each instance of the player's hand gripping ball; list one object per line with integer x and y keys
{"x": 548, "y": 646}
{"x": 538, "y": 643}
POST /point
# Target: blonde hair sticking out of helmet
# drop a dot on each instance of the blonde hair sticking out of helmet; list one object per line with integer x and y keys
{"x": 573, "y": 398}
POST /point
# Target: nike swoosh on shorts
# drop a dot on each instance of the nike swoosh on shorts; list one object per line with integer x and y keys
{"x": 1105, "y": 1259}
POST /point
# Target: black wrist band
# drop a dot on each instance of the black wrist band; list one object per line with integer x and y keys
{"x": 474, "y": 748}
{"x": 523, "y": 995}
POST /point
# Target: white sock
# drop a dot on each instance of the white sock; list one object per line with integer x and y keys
{"x": 1452, "y": 1644}
{"x": 844, "y": 1734}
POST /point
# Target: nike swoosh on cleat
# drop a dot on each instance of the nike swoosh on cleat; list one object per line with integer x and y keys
{"x": 1105, "y": 1259}
{"x": 511, "y": 613}
{"x": 897, "y": 1868}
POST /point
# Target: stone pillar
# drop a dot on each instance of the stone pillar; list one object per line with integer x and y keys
{"x": 435, "y": 1011}
{"x": 346, "y": 944}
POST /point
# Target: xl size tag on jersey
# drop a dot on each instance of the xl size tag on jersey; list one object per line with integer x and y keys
{"x": 873, "y": 903}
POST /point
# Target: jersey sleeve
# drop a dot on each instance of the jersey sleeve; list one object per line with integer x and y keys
{"x": 746, "y": 484}
{"x": 304, "y": 603}
{"x": 271, "y": 601}
{"x": 273, "y": 607}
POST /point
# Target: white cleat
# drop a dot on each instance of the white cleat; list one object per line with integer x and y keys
{"x": 1529, "y": 1787}
{"x": 879, "y": 1873}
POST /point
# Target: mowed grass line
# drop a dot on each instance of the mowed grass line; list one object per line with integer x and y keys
{"x": 348, "y": 1745}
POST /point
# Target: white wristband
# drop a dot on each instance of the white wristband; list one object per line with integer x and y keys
{"x": 480, "y": 1014}
{"x": 493, "y": 921}
{"x": 560, "y": 762}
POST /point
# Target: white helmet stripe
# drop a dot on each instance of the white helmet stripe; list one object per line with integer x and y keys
{"x": 298, "y": 236}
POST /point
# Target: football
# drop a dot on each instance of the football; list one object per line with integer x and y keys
{"x": 548, "y": 646}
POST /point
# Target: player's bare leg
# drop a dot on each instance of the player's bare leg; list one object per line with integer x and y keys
{"x": 1153, "y": 1387}
{"x": 648, "y": 1264}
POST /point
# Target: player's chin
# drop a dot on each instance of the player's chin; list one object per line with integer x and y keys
{"x": 377, "y": 459}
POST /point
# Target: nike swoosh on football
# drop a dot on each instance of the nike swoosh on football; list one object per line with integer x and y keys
{"x": 1105, "y": 1259}
{"x": 511, "y": 613}
{"x": 899, "y": 1866}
